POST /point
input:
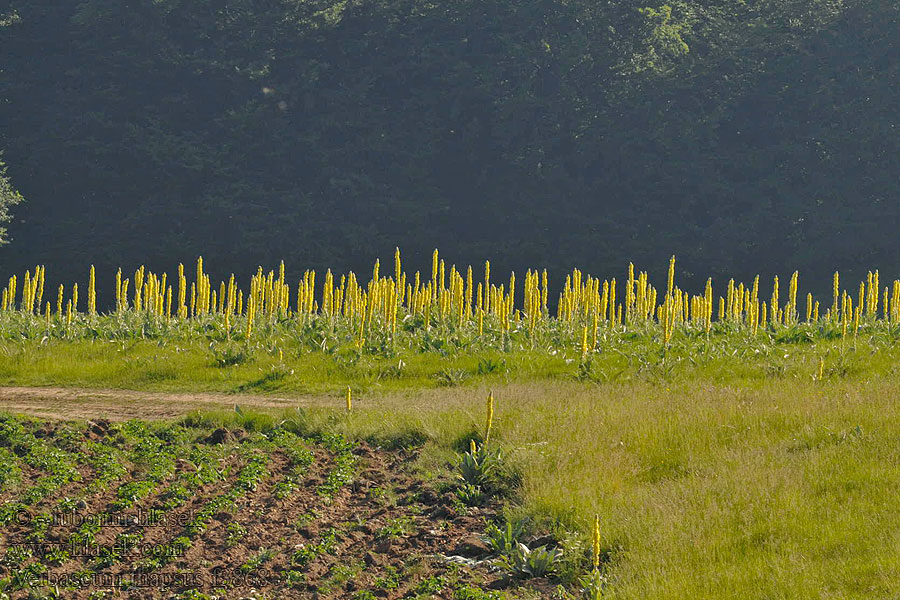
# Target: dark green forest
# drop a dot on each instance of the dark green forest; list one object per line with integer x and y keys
{"x": 744, "y": 136}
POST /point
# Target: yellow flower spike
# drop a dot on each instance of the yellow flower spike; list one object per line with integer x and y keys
{"x": 612, "y": 301}
{"x": 671, "y": 277}
{"x": 349, "y": 400}
{"x": 250, "y": 310}
{"x": 869, "y": 286}
{"x": 487, "y": 285}
{"x": 26, "y": 292}
{"x": 876, "y": 289}
{"x": 92, "y": 292}
{"x": 821, "y": 374}
{"x": 792, "y": 297}
{"x": 467, "y": 310}
{"x": 544, "y": 288}
{"x": 397, "y": 268}
{"x": 182, "y": 292}
{"x": 119, "y": 290}
{"x": 729, "y": 301}
{"x": 473, "y": 449}
{"x": 835, "y": 309}
{"x": 774, "y": 301}
{"x": 629, "y": 294}
{"x": 595, "y": 546}
{"x": 41, "y": 287}
{"x": 434, "y": 266}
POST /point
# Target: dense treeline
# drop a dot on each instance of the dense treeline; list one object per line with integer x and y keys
{"x": 745, "y": 136}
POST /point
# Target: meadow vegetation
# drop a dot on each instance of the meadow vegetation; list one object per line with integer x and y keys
{"x": 411, "y": 331}
{"x": 743, "y": 452}
{"x": 701, "y": 489}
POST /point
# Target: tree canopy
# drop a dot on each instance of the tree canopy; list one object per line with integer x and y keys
{"x": 744, "y": 136}
{"x": 8, "y": 198}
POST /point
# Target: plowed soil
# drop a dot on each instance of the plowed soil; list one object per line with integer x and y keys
{"x": 373, "y": 532}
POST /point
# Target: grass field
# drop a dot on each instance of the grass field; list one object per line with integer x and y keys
{"x": 752, "y": 454}
{"x": 702, "y": 490}
{"x": 282, "y": 363}
{"x": 783, "y": 489}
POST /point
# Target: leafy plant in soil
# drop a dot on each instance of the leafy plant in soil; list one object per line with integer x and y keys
{"x": 504, "y": 541}
{"x": 527, "y": 562}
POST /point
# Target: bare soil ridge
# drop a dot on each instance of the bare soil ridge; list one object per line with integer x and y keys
{"x": 120, "y": 405}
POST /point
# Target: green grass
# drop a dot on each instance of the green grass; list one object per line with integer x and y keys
{"x": 784, "y": 490}
{"x": 779, "y": 492}
{"x": 283, "y": 364}
{"x": 180, "y": 366}
{"x": 720, "y": 468}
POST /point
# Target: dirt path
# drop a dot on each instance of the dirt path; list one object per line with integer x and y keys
{"x": 119, "y": 405}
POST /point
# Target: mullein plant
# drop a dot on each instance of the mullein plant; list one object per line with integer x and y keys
{"x": 454, "y": 302}
{"x": 592, "y": 583}
{"x": 477, "y": 468}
